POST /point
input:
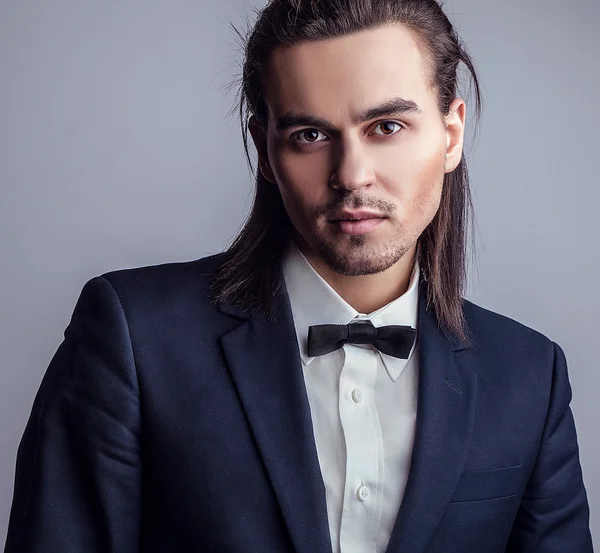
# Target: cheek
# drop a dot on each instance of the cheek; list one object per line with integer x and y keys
{"x": 418, "y": 185}
{"x": 300, "y": 181}
{"x": 429, "y": 186}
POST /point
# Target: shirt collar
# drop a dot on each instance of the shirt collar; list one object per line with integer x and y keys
{"x": 314, "y": 301}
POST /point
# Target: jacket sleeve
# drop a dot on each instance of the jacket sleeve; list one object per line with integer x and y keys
{"x": 77, "y": 480}
{"x": 554, "y": 515}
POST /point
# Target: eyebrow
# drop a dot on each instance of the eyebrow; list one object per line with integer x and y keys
{"x": 395, "y": 106}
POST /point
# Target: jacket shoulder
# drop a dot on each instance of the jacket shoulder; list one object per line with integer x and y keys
{"x": 193, "y": 270}
{"x": 490, "y": 326}
{"x": 168, "y": 287}
{"x": 501, "y": 340}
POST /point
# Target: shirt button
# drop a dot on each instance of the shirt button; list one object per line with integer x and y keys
{"x": 362, "y": 493}
{"x": 357, "y": 395}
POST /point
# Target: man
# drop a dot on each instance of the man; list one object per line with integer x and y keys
{"x": 321, "y": 386}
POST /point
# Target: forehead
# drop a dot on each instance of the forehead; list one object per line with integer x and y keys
{"x": 338, "y": 78}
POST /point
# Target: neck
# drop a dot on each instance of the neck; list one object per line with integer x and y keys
{"x": 367, "y": 293}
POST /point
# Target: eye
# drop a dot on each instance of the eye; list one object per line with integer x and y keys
{"x": 388, "y": 129}
{"x": 312, "y": 136}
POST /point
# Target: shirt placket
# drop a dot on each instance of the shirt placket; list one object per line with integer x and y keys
{"x": 362, "y": 434}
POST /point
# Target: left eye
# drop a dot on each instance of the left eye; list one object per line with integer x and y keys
{"x": 387, "y": 127}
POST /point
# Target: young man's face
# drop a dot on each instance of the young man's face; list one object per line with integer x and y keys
{"x": 332, "y": 159}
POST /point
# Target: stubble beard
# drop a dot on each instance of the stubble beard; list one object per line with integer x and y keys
{"x": 362, "y": 258}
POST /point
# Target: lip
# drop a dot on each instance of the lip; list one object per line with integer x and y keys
{"x": 356, "y": 215}
{"x": 359, "y": 226}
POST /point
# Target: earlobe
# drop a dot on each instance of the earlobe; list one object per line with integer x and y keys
{"x": 259, "y": 138}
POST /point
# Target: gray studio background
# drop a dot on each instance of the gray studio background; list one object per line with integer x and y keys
{"x": 116, "y": 150}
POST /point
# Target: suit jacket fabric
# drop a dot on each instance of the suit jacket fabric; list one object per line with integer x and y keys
{"x": 164, "y": 424}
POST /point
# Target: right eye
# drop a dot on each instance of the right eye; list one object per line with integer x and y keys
{"x": 311, "y": 136}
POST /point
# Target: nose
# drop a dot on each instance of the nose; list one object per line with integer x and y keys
{"x": 352, "y": 168}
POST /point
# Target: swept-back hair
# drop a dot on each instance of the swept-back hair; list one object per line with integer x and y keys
{"x": 250, "y": 274}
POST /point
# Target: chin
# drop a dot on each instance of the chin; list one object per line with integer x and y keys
{"x": 358, "y": 257}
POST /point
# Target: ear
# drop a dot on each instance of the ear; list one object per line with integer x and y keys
{"x": 259, "y": 137}
{"x": 455, "y": 133}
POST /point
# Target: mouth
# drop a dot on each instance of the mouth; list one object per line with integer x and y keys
{"x": 357, "y": 215}
{"x": 357, "y": 225}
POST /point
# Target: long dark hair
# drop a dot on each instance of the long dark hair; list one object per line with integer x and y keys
{"x": 250, "y": 273}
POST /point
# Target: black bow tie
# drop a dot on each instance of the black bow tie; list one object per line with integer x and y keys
{"x": 393, "y": 340}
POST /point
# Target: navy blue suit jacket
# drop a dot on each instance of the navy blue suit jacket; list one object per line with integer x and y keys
{"x": 164, "y": 424}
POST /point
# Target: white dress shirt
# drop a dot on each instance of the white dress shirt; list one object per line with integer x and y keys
{"x": 363, "y": 406}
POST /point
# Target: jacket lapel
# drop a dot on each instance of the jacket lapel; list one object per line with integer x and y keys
{"x": 265, "y": 364}
{"x": 445, "y": 415}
